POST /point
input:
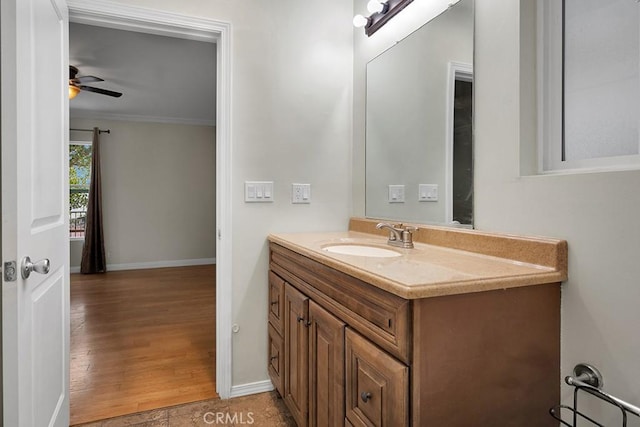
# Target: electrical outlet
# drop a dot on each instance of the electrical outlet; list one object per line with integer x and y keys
{"x": 396, "y": 193}
{"x": 300, "y": 193}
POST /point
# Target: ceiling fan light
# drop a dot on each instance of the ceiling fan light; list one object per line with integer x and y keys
{"x": 73, "y": 91}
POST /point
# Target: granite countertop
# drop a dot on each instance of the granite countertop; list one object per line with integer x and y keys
{"x": 428, "y": 270}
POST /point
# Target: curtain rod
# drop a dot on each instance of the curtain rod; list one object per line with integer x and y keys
{"x": 91, "y": 130}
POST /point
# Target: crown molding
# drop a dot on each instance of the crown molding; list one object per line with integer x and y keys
{"x": 91, "y": 114}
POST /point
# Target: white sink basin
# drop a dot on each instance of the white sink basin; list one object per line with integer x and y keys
{"x": 361, "y": 250}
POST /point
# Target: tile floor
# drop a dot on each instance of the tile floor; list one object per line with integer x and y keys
{"x": 262, "y": 410}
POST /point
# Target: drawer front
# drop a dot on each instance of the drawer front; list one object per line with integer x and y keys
{"x": 382, "y": 316}
{"x": 377, "y": 385}
{"x": 276, "y": 302}
{"x": 276, "y": 359}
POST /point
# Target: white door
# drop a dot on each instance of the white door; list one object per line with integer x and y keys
{"x": 35, "y": 311}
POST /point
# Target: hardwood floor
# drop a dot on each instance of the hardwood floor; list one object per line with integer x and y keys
{"x": 141, "y": 340}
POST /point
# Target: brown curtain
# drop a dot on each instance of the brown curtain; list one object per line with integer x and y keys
{"x": 93, "y": 254}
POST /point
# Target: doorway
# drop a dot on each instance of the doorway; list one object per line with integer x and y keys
{"x": 156, "y": 22}
{"x": 459, "y": 145}
{"x": 463, "y": 152}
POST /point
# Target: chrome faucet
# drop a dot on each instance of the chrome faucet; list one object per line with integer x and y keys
{"x": 399, "y": 235}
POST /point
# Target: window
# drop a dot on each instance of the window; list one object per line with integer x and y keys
{"x": 589, "y": 84}
{"x": 79, "y": 179}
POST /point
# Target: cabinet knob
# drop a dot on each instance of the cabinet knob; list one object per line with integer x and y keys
{"x": 272, "y": 358}
{"x": 274, "y": 302}
{"x": 305, "y": 323}
{"x": 365, "y": 396}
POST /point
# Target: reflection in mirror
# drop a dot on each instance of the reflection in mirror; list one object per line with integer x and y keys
{"x": 419, "y": 151}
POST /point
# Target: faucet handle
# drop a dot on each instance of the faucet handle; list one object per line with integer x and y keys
{"x": 407, "y": 236}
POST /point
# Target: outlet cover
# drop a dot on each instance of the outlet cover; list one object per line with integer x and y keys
{"x": 300, "y": 193}
{"x": 396, "y": 193}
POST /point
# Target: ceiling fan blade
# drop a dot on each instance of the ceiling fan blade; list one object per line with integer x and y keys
{"x": 87, "y": 79}
{"x": 101, "y": 91}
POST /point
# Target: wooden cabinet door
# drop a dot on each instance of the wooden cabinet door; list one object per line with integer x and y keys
{"x": 296, "y": 354}
{"x": 377, "y": 385}
{"x": 326, "y": 368}
{"x": 276, "y": 359}
{"x": 276, "y": 302}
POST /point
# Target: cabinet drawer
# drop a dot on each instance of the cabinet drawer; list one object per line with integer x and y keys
{"x": 276, "y": 359}
{"x": 377, "y": 385}
{"x": 276, "y": 302}
{"x": 381, "y": 316}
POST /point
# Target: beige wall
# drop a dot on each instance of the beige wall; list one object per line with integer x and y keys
{"x": 595, "y": 212}
{"x": 158, "y": 192}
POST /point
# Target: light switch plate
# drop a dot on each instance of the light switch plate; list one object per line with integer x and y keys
{"x": 258, "y": 191}
{"x": 396, "y": 193}
{"x": 428, "y": 192}
{"x": 300, "y": 193}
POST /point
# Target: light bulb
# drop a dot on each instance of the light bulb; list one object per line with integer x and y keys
{"x": 376, "y": 6}
{"x": 360, "y": 21}
{"x": 73, "y": 91}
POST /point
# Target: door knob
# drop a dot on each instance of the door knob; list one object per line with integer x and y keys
{"x": 41, "y": 267}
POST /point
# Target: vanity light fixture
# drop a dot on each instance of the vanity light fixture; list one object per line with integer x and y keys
{"x": 360, "y": 21}
{"x": 381, "y": 12}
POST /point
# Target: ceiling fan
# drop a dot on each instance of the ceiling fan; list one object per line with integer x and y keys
{"x": 76, "y": 84}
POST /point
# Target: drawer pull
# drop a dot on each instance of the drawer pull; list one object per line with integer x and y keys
{"x": 365, "y": 396}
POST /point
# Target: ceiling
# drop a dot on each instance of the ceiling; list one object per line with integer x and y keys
{"x": 163, "y": 79}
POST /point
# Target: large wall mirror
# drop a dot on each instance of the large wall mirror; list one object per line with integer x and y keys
{"x": 419, "y": 136}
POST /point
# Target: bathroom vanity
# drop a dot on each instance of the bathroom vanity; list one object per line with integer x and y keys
{"x": 462, "y": 330}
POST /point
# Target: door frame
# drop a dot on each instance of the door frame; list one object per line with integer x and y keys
{"x": 152, "y": 21}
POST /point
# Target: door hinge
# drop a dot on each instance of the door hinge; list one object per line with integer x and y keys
{"x": 10, "y": 272}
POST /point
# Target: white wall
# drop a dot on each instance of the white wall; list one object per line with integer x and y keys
{"x": 158, "y": 193}
{"x": 595, "y": 212}
{"x": 291, "y": 122}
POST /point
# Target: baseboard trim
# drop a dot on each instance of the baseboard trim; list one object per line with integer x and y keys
{"x": 154, "y": 264}
{"x": 251, "y": 388}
